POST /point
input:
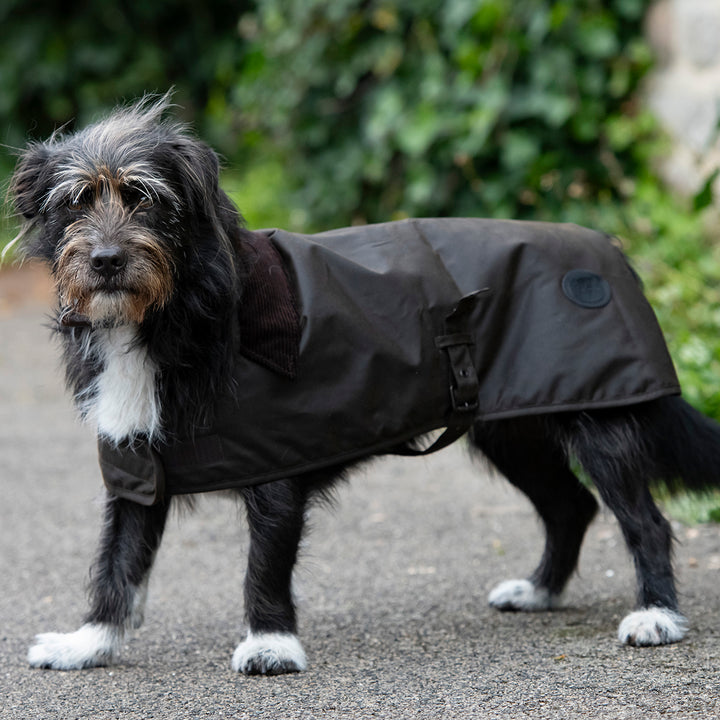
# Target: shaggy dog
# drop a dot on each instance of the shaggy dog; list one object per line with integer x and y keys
{"x": 153, "y": 269}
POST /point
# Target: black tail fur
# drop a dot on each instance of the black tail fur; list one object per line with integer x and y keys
{"x": 664, "y": 441}
{"x": 685, "y": 443}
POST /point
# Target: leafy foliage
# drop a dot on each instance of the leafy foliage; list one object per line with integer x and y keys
{"x": 390, "y": 108}
{"x": 62, "y": 62}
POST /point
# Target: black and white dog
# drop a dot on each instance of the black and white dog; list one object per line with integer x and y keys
{"x": 148, "y": 257}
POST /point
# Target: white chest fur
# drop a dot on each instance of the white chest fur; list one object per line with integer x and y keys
{"x": 124, "y": 402}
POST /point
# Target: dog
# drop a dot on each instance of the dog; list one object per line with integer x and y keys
{"x": 153, "y": 267}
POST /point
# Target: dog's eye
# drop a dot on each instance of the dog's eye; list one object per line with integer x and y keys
{"x": 78, "y": 202}
{"x": 137, "y": 199}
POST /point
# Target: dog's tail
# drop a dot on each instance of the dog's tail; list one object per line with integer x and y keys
{"x": 684, "y": 443}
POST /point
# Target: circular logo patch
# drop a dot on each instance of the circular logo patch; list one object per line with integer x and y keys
{"x": 586, "y": 289}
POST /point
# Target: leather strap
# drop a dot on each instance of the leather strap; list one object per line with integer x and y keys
{"x": 464, "y": 384}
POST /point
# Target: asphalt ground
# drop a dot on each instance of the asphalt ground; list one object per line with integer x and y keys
{"x": 392, "y": 589}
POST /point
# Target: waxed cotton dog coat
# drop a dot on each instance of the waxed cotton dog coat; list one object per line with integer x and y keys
{"x": 363, "y": 338}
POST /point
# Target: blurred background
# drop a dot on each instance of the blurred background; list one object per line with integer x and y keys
{"x": 332, "y": 112}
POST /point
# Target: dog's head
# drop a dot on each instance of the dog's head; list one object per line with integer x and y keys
{"x": 120, "y": 210}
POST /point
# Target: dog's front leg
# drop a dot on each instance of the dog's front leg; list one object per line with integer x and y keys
{"x": 276, "y": 515}
{"x": 118, "y": 586}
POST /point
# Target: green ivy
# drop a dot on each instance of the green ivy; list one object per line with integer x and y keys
{"x": 392, "y": 108}
{"x": 66, "y": 62}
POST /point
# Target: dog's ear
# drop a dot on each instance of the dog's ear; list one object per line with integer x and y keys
{"x": 30, "y": 182}
{"x": 197, "y": 172}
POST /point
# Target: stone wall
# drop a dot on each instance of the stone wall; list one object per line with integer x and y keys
{"x": 684, "y": 88}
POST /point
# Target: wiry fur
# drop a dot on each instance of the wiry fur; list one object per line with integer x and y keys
{"x": 149, "y": 257}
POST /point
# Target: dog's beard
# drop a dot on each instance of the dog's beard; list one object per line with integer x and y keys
{"x": 112, "y": 308}
{"x": 146, "y": 283}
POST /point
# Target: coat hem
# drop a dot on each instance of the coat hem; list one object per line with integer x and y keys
{"x": 387, "y": 447}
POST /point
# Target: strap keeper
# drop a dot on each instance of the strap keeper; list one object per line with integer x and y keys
{"x": 464, "y": 388}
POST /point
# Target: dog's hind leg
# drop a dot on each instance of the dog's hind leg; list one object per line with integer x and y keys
{"x": 611, "y": 449}
{"x": 531, "y": 459}
{"x": 118, "y": 585}
{"x": 276, "y": 516}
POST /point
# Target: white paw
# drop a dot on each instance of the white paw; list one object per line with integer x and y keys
{"x": 92, "y": 645}
{"x": 652, "y": 626}
{"x": 269, "y": 654}
{"x": 521, "y": 595}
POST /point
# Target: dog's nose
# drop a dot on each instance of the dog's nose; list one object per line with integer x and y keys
{"x": 108, "y": 261}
